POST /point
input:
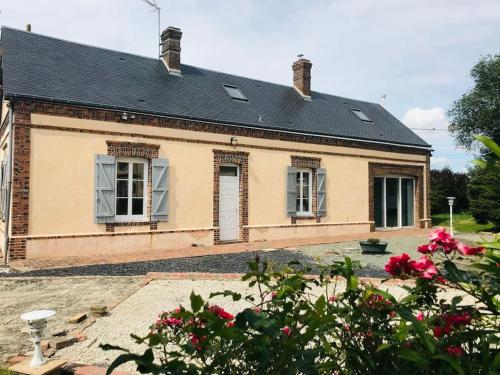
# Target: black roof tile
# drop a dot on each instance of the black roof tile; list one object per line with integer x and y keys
{"x": 45, "y": 68}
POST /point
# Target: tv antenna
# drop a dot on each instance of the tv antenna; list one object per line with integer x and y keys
{"x": 155, "y": 4}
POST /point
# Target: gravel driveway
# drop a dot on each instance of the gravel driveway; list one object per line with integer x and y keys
{"x": 373, "y": 265}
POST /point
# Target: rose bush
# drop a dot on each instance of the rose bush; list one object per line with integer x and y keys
{"x": 310, "y": 325}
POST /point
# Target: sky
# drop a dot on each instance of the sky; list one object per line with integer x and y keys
{"x": 417, "y": 52}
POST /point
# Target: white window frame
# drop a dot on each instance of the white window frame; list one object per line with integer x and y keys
{"x": 400, "y": 211}
{"x": 129, "y": 217}
{"x": 301, "y": 212}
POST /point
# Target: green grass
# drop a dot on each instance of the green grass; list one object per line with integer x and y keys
{"x": 463, "y": 222}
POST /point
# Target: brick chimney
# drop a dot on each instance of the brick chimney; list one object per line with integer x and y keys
{"x": 302, "y": 77}
{"x": 171, "y": 49}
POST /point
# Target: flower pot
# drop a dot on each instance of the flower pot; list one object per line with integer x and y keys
{"x": 372, "y": 248}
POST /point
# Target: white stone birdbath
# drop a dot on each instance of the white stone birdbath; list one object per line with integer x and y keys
{"x": 37, "y": 321}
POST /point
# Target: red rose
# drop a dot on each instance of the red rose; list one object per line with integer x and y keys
{"x": 455, "y": 351}
{"x": 400, "y": 266}
{"x": 462, "y": 319}
{"x": 286, "y": 330}
{"x": 220, "y": 312}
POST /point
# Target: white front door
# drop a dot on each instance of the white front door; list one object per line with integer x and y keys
{"x": 229, "y": 203}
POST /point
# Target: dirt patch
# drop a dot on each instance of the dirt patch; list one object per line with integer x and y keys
{"x": 67, "y": 296}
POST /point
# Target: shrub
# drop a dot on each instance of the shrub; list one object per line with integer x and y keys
{"x": 306, "y": 325}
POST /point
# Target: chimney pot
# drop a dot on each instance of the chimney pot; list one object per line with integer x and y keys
{"x": 302, "y": 77}
{"x": 171, "y": 49}
{"x": 28, "y": 27}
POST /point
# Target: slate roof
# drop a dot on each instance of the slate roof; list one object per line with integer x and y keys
{"x": 40, "y": 67}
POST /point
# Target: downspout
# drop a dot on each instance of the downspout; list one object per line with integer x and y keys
{"x": 9, "y": 185}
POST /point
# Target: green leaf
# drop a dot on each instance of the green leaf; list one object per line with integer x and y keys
{"x": 227, "y": 293}
{"x": 145, "y": 362}
{"x": 414, "y": 357}
{"x": 320, "y": 304}
{"x": 496, "y": 363}
{"x": 383, "y": 293}
{"x": 196, "y": 302}
{"x": 383, "y": 347}
{"x": 488, "y": 142}
{"x": 427, "y": 341}
{"x": 452, "y": 362}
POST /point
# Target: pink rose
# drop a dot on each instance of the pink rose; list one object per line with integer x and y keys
{"x": 467, "y": 250}
{"x": 426, "y": 268}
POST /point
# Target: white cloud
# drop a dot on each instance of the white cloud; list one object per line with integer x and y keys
{"x": 433, "y": 118}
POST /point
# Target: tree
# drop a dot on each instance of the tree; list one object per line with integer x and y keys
{"x": 484, "y": 190}
{"x": 446, "y": 183}
{"x": 478, "y": 111}
{"x": 476, "y": 117}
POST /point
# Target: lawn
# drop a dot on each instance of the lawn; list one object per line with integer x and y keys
{"x": 463, "y": 222}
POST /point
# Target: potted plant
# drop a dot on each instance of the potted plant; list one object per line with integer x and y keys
{"x": 373, "y": 245}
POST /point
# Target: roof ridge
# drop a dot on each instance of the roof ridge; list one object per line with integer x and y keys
{"x": 188, "y": 65}
{"x": 78, "y": 43}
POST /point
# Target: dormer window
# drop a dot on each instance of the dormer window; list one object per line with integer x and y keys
{"x": 361, "y": 115}
{"x": 235, "y": 93}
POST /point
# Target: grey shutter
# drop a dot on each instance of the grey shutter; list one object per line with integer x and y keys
{"x": 160, "y": 190}
{"x": 291, "y": 192}
{"x": 104, "y": 206}
{"x": 321, "y": 193}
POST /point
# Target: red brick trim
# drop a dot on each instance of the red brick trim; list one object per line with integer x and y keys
{"x": 135, "y": 150}
{"x": 313, "y": 164}
{"x": 204, "y": 126}
{"x": 417, "y": 172}
{"x": 110, "y": 227}
{"x": 241, "y": 159}
{"x": 132, "y": 149}
{"x": 20, "y": 184}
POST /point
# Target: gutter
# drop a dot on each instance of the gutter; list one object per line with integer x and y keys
{"x": 9, "y": 184}
{"x": 206, "y": 121}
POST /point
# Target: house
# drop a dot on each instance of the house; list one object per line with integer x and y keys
{"x": 105, "y": 152}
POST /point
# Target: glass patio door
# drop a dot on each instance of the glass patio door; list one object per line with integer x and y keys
{"x": 394, "y": 202}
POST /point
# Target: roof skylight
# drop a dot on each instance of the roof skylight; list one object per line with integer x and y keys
{"x": 235, "y": 93}
{"x": 361, "y": 115}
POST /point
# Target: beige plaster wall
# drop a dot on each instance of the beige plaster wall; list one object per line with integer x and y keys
{"x": 62, "y": 182}
{"x": 114, "y": 245}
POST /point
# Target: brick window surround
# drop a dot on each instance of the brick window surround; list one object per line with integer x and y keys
{"x": 135, "y": 150}
{"x": 239, "y": 158}
{"x": 417, "y": 172}
{"x": 313, "y": 164}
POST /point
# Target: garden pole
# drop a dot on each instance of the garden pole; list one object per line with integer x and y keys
{"x": 450, "y": 202}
